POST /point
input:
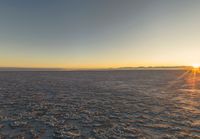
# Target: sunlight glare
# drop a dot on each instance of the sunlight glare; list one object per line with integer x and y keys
{"x": 195, "y": 66}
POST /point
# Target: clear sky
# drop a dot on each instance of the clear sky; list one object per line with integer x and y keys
{"x": 99, "y": 33}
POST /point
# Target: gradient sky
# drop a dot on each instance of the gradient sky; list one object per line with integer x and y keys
{"x": 99, "y": 33}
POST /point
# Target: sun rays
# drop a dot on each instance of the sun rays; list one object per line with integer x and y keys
{"x": 190, "y": 76}
{"x": 195, "y": 66}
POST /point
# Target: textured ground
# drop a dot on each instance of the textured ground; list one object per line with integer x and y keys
{"x": 100, "y": 105}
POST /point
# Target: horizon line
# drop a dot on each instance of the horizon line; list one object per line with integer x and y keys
{"x": 83, "y": 69}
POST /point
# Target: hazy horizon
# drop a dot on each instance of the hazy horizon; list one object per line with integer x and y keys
{"x": 91, "y": 69}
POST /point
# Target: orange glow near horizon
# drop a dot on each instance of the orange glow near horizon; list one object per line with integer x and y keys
{"x": 194, "y": 72}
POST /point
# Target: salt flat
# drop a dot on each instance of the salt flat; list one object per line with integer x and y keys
{"x": 100, "y": 104}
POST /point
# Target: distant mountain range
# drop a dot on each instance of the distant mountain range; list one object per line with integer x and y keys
{"x": 153, "y": 67}
{"x": 120, "y": 68}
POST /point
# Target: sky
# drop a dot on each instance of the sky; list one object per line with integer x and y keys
{"x": 99, "y": 33}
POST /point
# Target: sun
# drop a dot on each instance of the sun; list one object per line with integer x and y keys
{"x": 196, "y": 66}
{"x": 195, "y": 69}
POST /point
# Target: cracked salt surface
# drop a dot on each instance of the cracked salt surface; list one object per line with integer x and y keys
{"x": 99, "y": 105}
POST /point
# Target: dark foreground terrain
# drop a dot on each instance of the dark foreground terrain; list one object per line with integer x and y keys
{"x": 100, "y": 105}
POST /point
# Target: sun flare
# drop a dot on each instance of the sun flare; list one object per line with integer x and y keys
{"x": 195, "y": 66}
{"x": 195, "y": 69}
